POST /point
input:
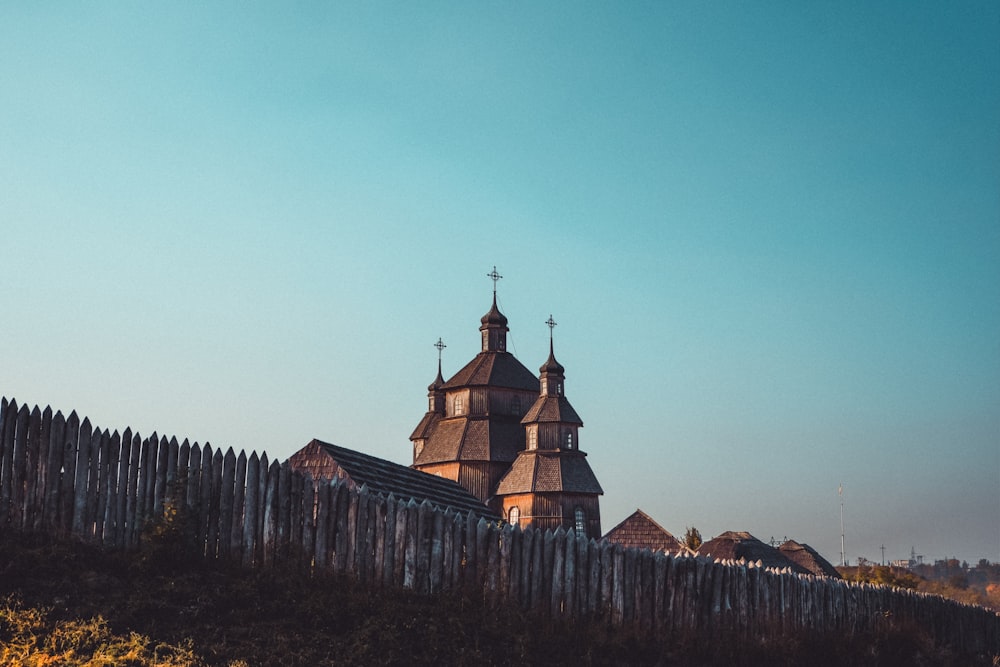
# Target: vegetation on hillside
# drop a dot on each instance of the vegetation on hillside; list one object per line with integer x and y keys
{"x": 69, "y": 604}
{"x": 979, "y": 585}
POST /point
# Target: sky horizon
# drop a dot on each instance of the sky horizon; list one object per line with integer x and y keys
{"x": 770, "y": 237}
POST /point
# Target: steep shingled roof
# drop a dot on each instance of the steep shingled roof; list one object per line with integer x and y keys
{"x": 640, "y": 531}
{"x": 426, "y": 425}
{"x": 323, "y": 460}
{"x": 809, "y": 558}
{"x": 733, "y": 545}
{"x": 541, "y": 471}
{"x": 552, "y": 409}
{"x": 495, "y": 369}
{"x": 465, "y": 439}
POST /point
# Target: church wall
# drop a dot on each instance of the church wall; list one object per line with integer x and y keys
{"x": 478, "y": 477}
{"x": 549, "y": 511}
{"x": 510, "y": 402}
{"x": 448, "y": 470}
{"x": 457, "y": 402}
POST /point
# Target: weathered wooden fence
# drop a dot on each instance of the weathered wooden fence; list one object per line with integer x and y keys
{"x": 65, "y": 477}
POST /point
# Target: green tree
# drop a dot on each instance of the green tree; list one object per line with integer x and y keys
{"x": 692, "y": 538}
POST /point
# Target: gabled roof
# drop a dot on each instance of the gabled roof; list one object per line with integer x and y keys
{"x": 541, "y": 471}
{"x": 466, "y": 439}
{"x": 733, "y": 545}
{"x": 323, "y": 460}
{"x": 494, "y": 369}
{"x": 638, "y": 530}
{"x": 552, "y": 409}
{"x": 807, "y": 557}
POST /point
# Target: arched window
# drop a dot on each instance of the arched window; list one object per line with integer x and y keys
{"x": 581, "y": 521}
{"x": 459, "y": 405}
{"x": 514, "y": 515}
{"x": 532, "y": 438}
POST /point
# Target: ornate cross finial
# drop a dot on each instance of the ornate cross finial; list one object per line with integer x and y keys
{"x": 552, "y": 324}
{"x": 440, "y": 346}
{"x": 494, "y": 276}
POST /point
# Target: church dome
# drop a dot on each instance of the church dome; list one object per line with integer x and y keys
{"x": 494, "y": 316}
{"x": 551, "y": 365}
{"x": 438, "y": 382}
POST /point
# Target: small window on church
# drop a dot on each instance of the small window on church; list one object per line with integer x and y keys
{"x": 532, "y": 439}
{"x": 580, "y": 521}
{"x": 514, "y": 516}
{"x": 459, "y": 405}
{"x": 559, "y": 389}
{"x": 569, "y": 440}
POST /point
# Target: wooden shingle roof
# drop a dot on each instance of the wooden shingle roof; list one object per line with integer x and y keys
{"x": 809, "y": 558}
{"x": 467, "y": 439}
{"x": 323, "y": 460}
{"x": 541, "y": 471}
{"x": 640, "y": 531}
{"x": 426, "y": 425}
{"x": 552, "y": 409}
{"x": 494, "y": 369}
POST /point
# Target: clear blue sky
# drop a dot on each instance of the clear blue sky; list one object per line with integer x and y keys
{"x": 770, "y": 234}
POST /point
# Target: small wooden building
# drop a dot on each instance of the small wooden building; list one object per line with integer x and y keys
{"x": 640, "y": 531}
{"x": 322, "y": 460}
{"x": 809, "y": 558}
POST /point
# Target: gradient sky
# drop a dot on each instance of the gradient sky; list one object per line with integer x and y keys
{"x": 770, "y": 235}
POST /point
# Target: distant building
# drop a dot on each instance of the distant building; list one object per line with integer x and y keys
{"x": 640, "y": 531}
{"x": 807, "y": 557}
{"x": 733, "y": 545}
{"x": 511, "y": 439}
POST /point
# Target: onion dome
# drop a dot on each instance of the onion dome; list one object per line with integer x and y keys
{"x": 438, "y": 381}
{"x": 494, "y": 317}
{"x": 551, "y": 365}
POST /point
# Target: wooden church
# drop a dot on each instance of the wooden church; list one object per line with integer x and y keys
{"x": 510, "y": 438}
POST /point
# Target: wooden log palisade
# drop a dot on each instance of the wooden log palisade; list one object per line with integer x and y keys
{"x": 68, "y": 478}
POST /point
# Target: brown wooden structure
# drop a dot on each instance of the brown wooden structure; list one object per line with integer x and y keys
{"x": 510, "y": 438}
{"x": 639, "y": 531}
{"x": 324, "y": 461}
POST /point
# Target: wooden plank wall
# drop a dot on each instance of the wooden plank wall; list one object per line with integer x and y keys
{"x": 69, "y": 478}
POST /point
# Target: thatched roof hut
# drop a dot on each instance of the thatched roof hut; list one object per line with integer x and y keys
{"x": 809, "y": 558}
{"x": 733, "y": 545}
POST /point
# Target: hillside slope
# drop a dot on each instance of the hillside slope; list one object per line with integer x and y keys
{"x": 215, "y": 616}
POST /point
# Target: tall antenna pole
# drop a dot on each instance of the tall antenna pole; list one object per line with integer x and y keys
{"x": 843, "y": 558}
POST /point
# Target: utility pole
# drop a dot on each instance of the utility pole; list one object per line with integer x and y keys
{"x": 883, "y": 554}
{"x": 843, "y": 557}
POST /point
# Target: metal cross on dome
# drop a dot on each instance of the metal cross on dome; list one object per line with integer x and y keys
{"x": 552, "y": 324}
{"x": 494, "y": 276}
{"x": 440, "y": 346}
